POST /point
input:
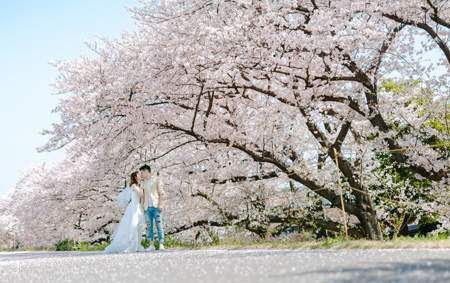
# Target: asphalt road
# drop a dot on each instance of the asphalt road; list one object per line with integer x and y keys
{"x": 412, "y": 265}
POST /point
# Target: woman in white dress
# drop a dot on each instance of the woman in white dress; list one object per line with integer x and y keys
{"x": 128, "y": 234}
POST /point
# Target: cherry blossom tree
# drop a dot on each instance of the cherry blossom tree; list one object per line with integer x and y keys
{"x": 243, "y": 105}
{"x": 267, "y": 87}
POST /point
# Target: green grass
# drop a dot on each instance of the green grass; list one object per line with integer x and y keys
{"x": 169, "y": 243}
{"x": 236, "y": 243}
{"x": 68, "y": 245}
{"x": 339, "y": 242}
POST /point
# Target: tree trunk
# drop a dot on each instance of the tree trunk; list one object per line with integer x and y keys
{"x": 367, "y": 215}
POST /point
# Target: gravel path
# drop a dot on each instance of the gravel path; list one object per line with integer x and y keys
{"x": 412, "y": 265}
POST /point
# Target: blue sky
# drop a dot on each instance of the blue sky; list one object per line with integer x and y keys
{"x": 31, "y": 34}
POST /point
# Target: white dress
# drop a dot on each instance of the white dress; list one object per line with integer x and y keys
{"x": 128, "y": 234}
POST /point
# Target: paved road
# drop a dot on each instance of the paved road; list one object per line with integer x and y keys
{"x": 420, "y": 265}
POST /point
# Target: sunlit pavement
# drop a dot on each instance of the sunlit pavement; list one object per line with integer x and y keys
{"x": 412, "y": 265}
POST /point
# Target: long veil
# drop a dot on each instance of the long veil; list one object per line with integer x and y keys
{"x": 124, "y": 197}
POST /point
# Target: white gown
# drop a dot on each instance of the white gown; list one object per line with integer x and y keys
{"x": 128, "y": 234}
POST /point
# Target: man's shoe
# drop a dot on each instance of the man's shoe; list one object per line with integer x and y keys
{"x": 150, "y": 248}
{"x": 161, "y": 247}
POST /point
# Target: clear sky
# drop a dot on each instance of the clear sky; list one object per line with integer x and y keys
{"x": 31, "y": 34}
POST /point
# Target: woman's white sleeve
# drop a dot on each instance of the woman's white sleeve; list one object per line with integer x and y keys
{"x": 124, "y": 197}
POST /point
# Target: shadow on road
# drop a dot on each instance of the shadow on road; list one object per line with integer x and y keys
{"x": 424, "y": 271}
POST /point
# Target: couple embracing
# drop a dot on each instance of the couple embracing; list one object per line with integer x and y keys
{"x": 144, "y": 201}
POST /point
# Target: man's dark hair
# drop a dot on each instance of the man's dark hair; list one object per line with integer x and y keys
{"x": 145, "y": 167}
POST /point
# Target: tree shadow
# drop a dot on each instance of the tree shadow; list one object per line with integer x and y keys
{"x": 432, "y": 270}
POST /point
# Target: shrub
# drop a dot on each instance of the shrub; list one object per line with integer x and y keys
{"x": 65, "y": 245}
{"x": 145, "y": 243}
{"x": 171, "y": 242}
{"x": 215, "y": 240}
{"x": 83, "y": 246}
{"x": 427, "y": 224}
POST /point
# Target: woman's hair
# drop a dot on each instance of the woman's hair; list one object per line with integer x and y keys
{"x": 133, "y": 179}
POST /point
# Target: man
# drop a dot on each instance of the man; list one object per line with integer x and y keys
{"x": 153, "y": 205}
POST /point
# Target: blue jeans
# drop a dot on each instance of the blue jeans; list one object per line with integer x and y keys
{"x": 154, "y": 213}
